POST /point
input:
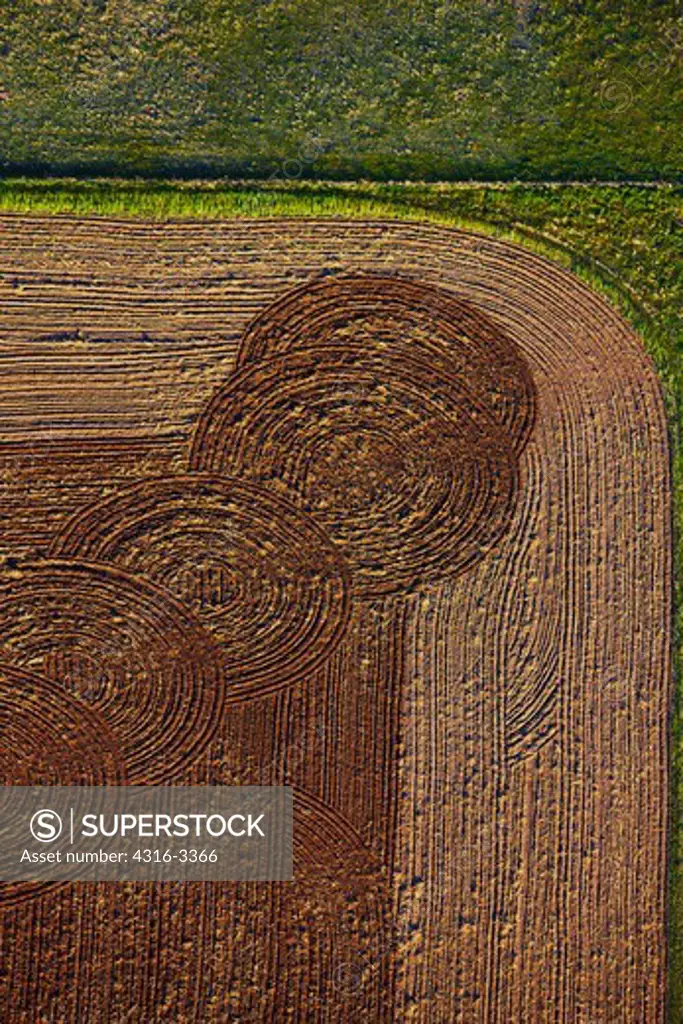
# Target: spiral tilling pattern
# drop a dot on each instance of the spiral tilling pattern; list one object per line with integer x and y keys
{"x": 123, "y": 648}
{"x": 409, "y": 317}
{"x": 48, "y": 738}
{"x": 264, "y": 580}
{"x": 404, "y": 466}
{"x": 335, "y": 914}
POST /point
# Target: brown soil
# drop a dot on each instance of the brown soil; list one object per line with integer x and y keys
{"x": 363, "y": 509}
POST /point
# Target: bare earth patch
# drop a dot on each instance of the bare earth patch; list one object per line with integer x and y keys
{"x": 400, "y": 498}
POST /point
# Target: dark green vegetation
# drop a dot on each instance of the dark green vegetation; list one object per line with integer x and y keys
{"x": 383, "y": 89}
{"x": 626, "y": 242}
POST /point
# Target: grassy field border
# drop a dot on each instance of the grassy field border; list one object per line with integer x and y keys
{"x": 435, "y": 90}
{"x": 657, "y": 324}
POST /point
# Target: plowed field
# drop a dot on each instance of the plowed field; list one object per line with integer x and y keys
{"x": 377, "y": 510}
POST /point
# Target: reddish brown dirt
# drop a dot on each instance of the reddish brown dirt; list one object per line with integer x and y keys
{"x": 400, "y": 506}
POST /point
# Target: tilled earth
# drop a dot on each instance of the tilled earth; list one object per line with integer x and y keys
{"x": 377, "y": 510}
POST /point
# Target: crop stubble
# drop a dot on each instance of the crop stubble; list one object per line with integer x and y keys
{"x": 410, "y": 533}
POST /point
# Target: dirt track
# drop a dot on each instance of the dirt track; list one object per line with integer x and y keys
{"x": 478, "y": 711}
